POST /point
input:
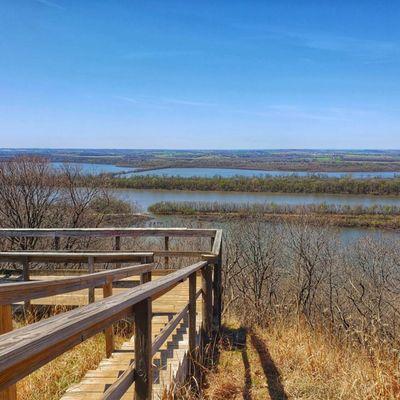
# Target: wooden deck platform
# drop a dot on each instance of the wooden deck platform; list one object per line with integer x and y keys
{"x": 168, "y": 363}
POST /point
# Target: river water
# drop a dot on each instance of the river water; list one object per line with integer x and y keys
{"x": 145, "y": 197}
{"x": 88, "y": 168}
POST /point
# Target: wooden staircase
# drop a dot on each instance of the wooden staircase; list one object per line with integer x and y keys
{"x": 169, "y": 363}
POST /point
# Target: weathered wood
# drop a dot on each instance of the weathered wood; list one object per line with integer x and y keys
{"x": 173, "y": 253}
{"x": 166, "y": 247}
{"x": 22, "y": 291}
{"x": 25, "y": 276}
{"x": 143, "y": 350}
{"x": 117, "y": 247}
{"x": 81, "y": 257}
{"x": 30, "y": 347}
{"x": 106, "y": 232}
{"x": 109, "y": 331}
{"x": 121, "y": 385}
{"x": 91, "y": 271}
{"x": 217, "y": 283}
{"x": 146, "y": 276}
{"x": 192, "y": 321}
{"x": 168, "y": 329}
{"x": 117, "y": 243}
{"x": 217, "y": 242}
{"x": 6, "y": 326}
{"x": 206, "y": 275}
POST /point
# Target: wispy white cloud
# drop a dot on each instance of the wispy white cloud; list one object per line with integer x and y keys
{"x": 370, "y": 49}
{"x": 289, "y": 112}
{"x": 128, "y": 99}
{"x": 190, "y": 103}
{"x": 164, "y": 102}
{"x": 155, "y": 54}
{"x": 49, "y": 3}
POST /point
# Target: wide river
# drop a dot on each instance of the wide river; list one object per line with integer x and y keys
{"x": 144, "y": 198}
{"x": 95, "y": 169}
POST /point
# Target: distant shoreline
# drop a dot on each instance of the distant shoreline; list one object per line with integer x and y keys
{"x": 341, "y": 216}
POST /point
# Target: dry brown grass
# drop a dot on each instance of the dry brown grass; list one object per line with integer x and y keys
{"x": 52, "y": 380}
{"x": 292, "y": 361}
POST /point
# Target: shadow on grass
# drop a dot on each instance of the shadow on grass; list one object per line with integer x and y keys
{"x": 236, "y": 340}
{"x": 275, "y": 387}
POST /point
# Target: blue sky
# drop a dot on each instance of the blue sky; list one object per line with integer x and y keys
{"x": 200, "y": 74}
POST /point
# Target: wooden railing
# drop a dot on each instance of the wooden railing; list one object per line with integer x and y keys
{"x": 24, "y": 350}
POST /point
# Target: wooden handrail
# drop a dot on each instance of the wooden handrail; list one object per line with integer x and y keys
{"x": 70, "y": 257}
{"x": 168, "y": 329}
{"x": 21, "y": 291}
{"x": 106, "y": 232}
{"x": 26, "y": 349}
{"x": 122, "y": 384}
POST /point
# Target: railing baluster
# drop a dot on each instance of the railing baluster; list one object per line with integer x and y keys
{"x": 25, "y": 277}
{"x": 206, "y": 274}
{"x": 117, "y": 247}
{"x": 91, "y": 271}
{"x": 146, "y": 276}
{"x": 217, "y": 308}
{"x": 6, "y": 326}
{"x": 166, "y": 246}
{"x": 56, "y": 243}
{"x": 192, "y": 322}
{"x": 109, "y": 332}
{"x": 143, "y": 350}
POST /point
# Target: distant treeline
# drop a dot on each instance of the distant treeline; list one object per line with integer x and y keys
{"x": 284, "y": 184}
{"x": 205, "y": 207}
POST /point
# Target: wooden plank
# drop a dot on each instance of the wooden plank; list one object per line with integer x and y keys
{"x": 6, "y": 325}
{"x": 168, "y": 329}
{"x": 143, "y": 348}
{"x": 15, "y": 292}
{"x": 106, "y": 232}
{"x": 121, "y": 385}
{"x": 217, "y": 242}
{"x": 28, "y": 348}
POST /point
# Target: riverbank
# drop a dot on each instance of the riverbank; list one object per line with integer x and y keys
{"x": 279, "y": 184}
{"x": 382, "y": 217}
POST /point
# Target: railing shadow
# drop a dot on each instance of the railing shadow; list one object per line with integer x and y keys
{"x": 236, "y": 341}
{"x": 275, "y": 387}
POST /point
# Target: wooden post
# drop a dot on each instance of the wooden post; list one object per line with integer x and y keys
{"x": 192, "y": 322}
{"x": 57, "y": 243}
{"x": 91, "y": 271}
{"x": 206, "y": 275}
{"x": 146, "y": 276}
{"x": 217, "y": 310}
{"x": 25, "y": 277}
{"x": 6, "y": 326}
{"x": 166, "y": 242}
{"x": 117, "y": 246}
{"x": 143, "y": 350}
{"x": 108, "y": 332}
